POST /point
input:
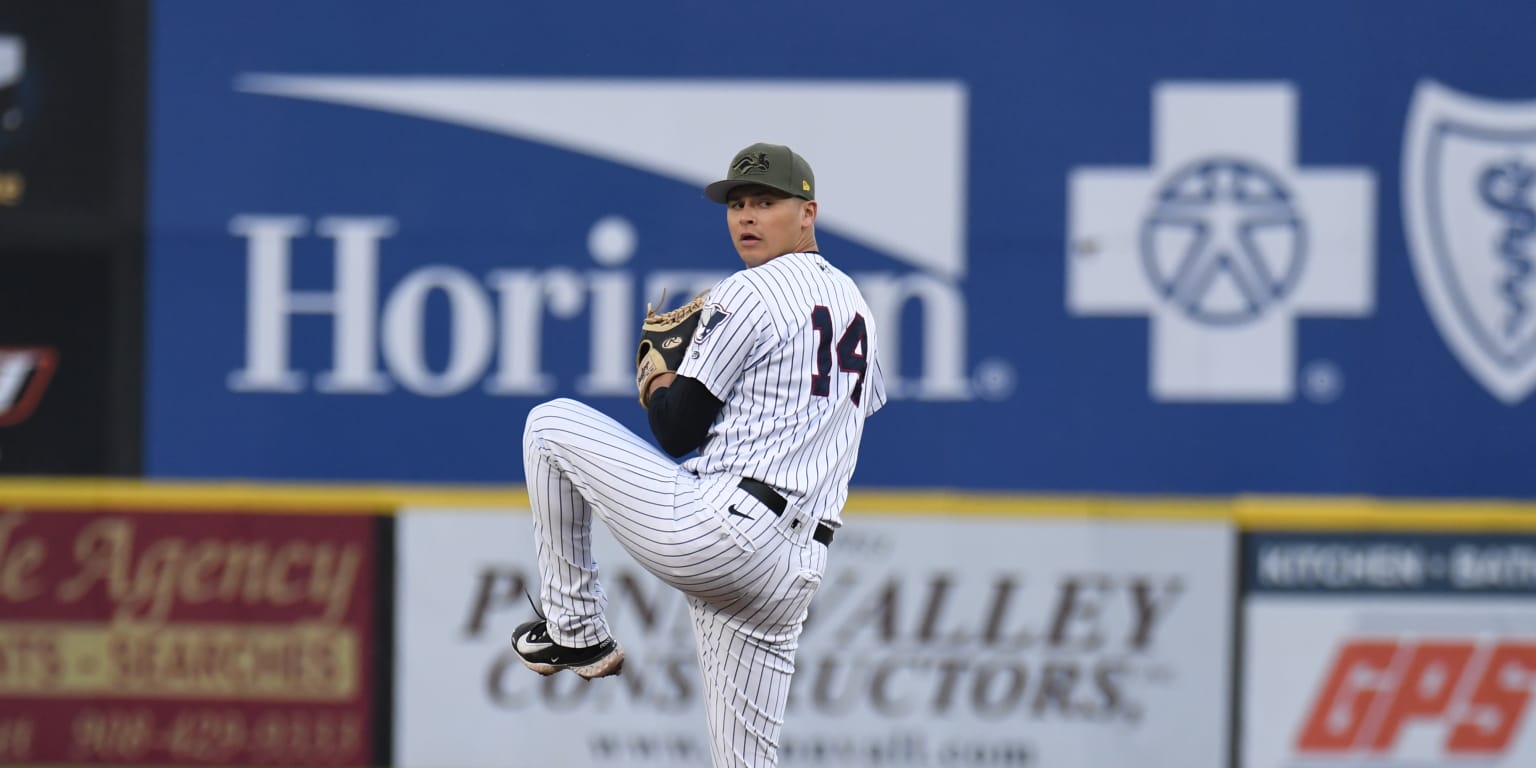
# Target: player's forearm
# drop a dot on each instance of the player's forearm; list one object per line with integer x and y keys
{"x": 681, "y": 413}
{"x": 662, "y": 381}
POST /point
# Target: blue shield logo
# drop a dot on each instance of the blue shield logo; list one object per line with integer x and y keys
{"x": 1469, "y": 202}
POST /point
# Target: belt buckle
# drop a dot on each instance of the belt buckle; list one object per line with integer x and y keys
{"x": 800, "y": 523}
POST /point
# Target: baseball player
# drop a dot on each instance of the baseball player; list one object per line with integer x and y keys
{"x": 769, "y": 375}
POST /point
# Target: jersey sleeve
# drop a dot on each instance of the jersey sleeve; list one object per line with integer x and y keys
{"x": 874, "y": 385}
{"x": 735, "y": 330}
{"x": 874, "y": 390}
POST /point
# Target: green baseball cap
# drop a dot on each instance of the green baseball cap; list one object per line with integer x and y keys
{"x": 771, "y": 165}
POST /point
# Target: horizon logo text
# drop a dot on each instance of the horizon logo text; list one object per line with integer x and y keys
{"x": 378, "y": 333}
{"x": 1222, "y": 242}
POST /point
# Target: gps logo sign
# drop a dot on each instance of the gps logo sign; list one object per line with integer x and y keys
{"x": 674, "y": 129}
{"x": 1379, "y": 688}
{"x": 1224, "y": 241}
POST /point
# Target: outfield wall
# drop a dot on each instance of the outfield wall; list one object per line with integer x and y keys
{"x": 149, "y": 623}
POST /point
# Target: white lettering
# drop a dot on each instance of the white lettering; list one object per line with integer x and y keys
{"x": 268, "y": 303}
{"x": 499, "y": 331}
{"x": 357, "y": 290}
{"x": 405, "y": 321}
{"x": 522, "y": 323}
{"x": 943, "y": 312}
{"x": 612, "y": 369}
{"x": 611, "y": 242}
{"x": 1511, "y": 567}
{"x": 1341, "y": 566}
{"x": 271, "y": 301}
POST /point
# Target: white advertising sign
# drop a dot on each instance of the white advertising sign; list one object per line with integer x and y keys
{"x": 933, "y": 641}
{"x": 1389, "y": 651}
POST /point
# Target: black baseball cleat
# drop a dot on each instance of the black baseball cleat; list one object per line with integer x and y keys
{"x": 540, "y": 653}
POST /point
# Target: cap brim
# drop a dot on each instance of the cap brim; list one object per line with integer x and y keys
{"x": 721, "y": 190}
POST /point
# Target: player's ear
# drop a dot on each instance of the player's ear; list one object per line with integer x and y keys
{"x": 807, "y": 213}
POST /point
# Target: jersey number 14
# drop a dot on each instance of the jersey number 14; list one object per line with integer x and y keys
{"x": 851, "y": 348}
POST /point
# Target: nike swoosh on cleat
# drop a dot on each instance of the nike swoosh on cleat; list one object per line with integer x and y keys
{"x": 525, "y": 648}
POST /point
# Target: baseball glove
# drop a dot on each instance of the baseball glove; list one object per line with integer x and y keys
{"x": 663, "y": 342}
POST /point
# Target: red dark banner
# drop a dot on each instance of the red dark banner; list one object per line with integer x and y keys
{"x": 185, "y": 638}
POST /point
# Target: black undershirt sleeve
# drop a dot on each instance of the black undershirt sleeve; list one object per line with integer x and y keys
{"x": 681, "y": 413}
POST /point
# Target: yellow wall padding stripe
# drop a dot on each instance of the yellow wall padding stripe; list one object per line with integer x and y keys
{"x": 1370, "y": 513}
{"x": 249, "y": 495}
{"x": 1248, "y": 512}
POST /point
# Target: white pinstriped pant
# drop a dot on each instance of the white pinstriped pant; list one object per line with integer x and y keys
{"x": 748, "y": 581}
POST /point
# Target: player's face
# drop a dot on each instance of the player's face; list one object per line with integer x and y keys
{"x": 766, "y": 223}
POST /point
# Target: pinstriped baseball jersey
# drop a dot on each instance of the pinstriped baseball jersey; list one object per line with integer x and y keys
{"x": 790, "y": 348}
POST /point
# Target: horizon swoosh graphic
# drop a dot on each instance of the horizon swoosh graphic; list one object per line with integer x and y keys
{"x": 889, "y": 156}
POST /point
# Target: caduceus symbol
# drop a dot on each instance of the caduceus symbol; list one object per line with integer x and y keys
{"x": 1506, "y": 187}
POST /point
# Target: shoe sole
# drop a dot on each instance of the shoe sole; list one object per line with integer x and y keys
{"x": 610, "y": 663}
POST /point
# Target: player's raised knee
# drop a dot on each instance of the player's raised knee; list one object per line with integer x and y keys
{"x": 545, "y": 413}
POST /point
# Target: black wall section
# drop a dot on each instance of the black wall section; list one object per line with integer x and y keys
{"x": 72, "y": 123}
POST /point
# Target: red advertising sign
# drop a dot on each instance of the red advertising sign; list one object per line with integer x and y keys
{"x": 1478, "y": 688}
{"x": 185, "y": 638}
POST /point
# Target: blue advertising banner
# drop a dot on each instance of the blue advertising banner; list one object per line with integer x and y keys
{"x": 1111, "y": 247}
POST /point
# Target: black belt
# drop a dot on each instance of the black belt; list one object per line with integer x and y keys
{"x": 771, "y": 499}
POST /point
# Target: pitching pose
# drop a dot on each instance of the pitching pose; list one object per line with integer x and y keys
{"x": 769, "y": 375}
